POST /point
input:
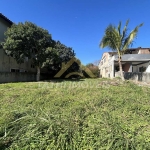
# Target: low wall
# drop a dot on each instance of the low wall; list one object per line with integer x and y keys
{"x": 6, "y": 77}
{"x": 137, "y": 76}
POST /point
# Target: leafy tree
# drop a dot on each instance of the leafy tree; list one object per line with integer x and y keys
{"x": 29, "y": 40}
{"x": 76, "y": 68}
{"x": 96, "y": 62}
{"x": 89, "y": 65}
{"x": 64, "y": 54}
{"x": 94, "y": 69}
{"x": 119, "y": 41}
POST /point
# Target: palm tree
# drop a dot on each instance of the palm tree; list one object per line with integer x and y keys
{"x": 119, "y": 41}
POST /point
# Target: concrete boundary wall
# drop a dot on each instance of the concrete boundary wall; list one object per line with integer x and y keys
{"x": 6, "y": 77}
{"x": 137, "y": 76}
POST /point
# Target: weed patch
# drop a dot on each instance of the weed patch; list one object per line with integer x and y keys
{"x": 98, "y": 114}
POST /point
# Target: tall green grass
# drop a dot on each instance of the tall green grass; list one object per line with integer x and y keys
{"x": 90, "y": 114}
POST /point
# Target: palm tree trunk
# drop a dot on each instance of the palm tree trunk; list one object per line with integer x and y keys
{"x": 38, "y": 74}
{"x": 120, "y": 68}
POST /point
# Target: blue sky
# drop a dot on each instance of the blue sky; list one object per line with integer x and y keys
{"x": 80, "y": 24}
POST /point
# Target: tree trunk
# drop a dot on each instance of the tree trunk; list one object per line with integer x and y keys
{"x": 38, "y": 74}
{"x": 120, "y": 68}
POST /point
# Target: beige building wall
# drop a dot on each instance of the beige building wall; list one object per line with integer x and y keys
{"x": 103, "y": 66}
{"x": 7, "y": 62}
{"x": 141, "y": 51}
{"x": 3, "y": 27}
{"x": 144, "y": 51}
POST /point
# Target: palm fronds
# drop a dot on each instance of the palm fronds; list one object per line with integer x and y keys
{"x": 129, "y": 40}
{"x": 117, "y": 40}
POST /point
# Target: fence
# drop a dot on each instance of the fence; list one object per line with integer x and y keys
{"x": 137, "y": 76}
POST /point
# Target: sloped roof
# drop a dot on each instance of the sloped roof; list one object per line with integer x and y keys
{"x": 134, "y": 57}
{"x": 113, "y": 53}
{"x": 6, "y": 19}
{"x": 141, "y": 48}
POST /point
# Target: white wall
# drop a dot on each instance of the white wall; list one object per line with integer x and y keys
{"x": 148, "y": 68}
{"x": 136, "y": 68}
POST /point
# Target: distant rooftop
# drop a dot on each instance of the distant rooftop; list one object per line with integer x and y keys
{"x": 133, "y": 49}
{"x": 6, "y": 19}
{"x": 130, "y": 49}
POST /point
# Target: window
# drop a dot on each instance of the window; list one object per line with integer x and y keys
{"x": 32, "y": 66}
{"x": 117, "y": 68}
{"x": 14, "y": 70}
{"x": 11, "y": 55}
{"x": 26, "y": 59}
{"x": 22, "y": 70}
{"x": 142, "y": 69}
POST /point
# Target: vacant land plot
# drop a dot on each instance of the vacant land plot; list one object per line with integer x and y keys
{"x": 72, "y": 115}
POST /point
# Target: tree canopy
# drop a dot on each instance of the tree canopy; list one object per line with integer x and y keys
{"x": 93, "y": 68}
{"x": 29, "y": 40}
{"x": 64, "y": 54}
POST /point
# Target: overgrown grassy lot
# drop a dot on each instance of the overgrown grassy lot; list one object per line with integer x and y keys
{"x": 90, "y": 114}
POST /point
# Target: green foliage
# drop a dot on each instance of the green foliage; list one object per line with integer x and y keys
{"x": 117, "y": 40}
{"x": 73, "y": 68}
{"x": 64, "y": 55}
{"x": 27, "y": 40}
{"x": 94, "y": 69}
{"x": 90, "y": 114}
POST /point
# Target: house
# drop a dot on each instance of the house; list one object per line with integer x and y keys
{"x": 134, "y": 60}
{"x": 8, "y": 63}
